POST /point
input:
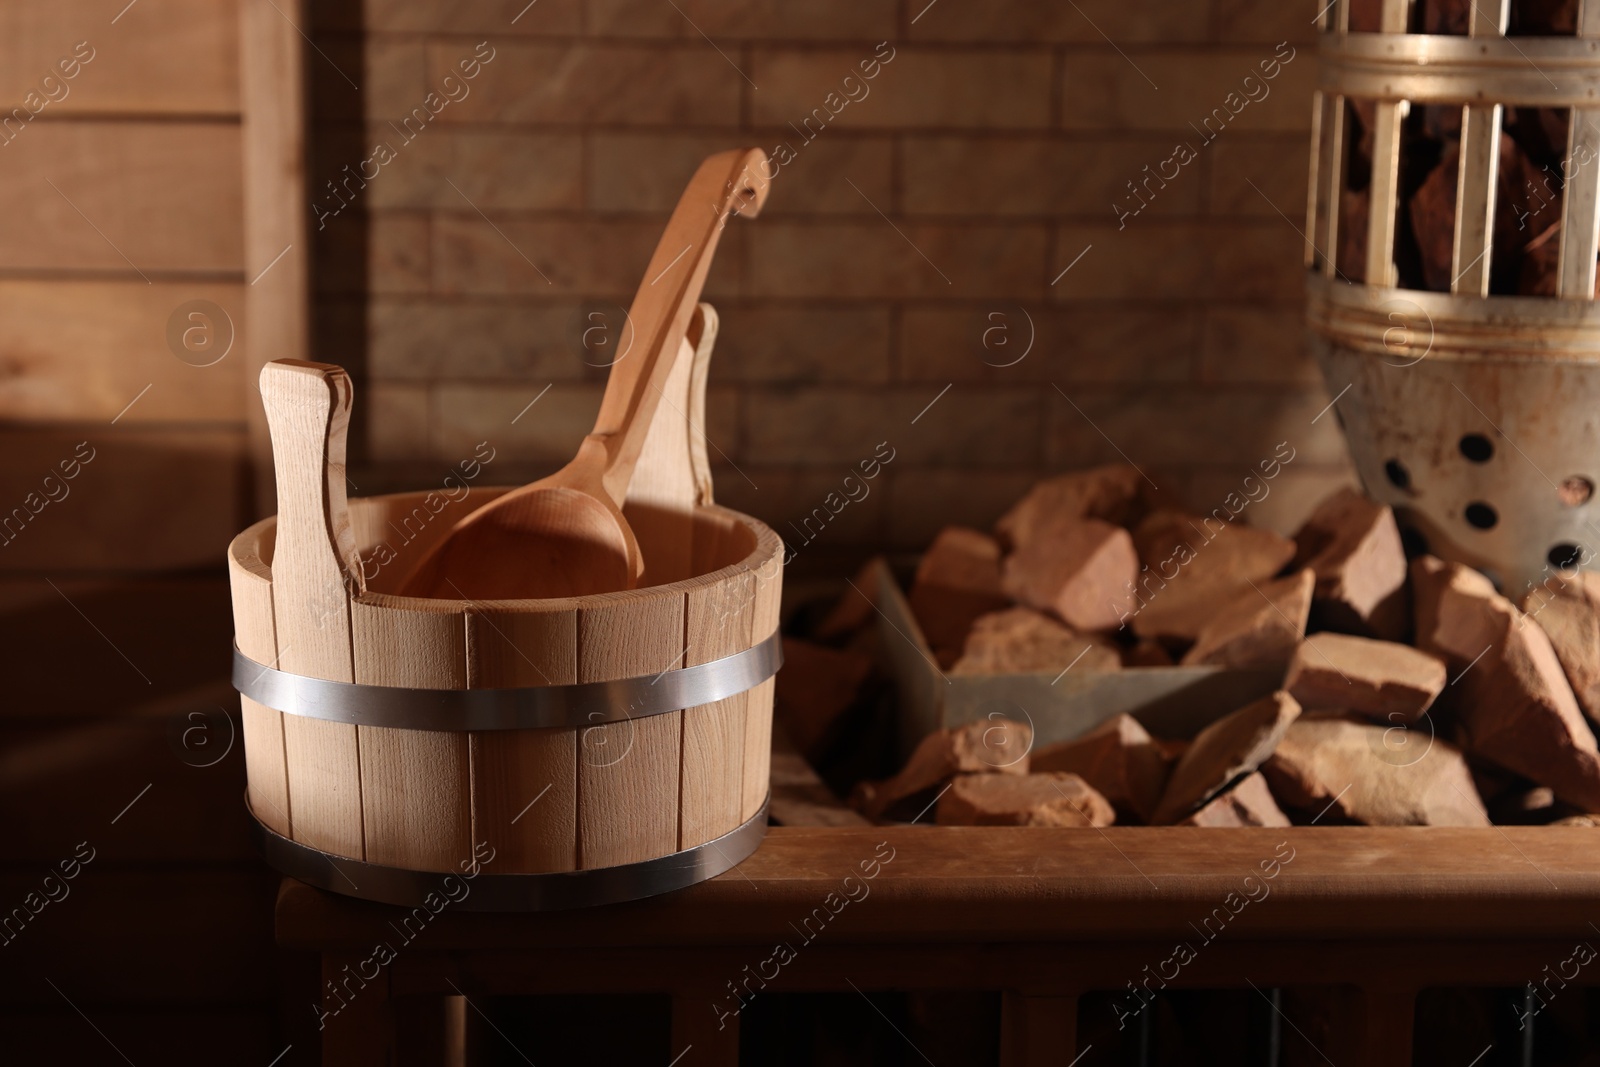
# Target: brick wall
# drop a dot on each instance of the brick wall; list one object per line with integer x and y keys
{"x": 929, "y": 221}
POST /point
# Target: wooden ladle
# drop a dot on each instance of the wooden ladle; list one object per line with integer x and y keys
{"x": 565, "y": 534}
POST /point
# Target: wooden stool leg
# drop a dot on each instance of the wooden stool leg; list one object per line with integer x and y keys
{"x": 1386, "y": 1030}
{"x": 1038, "y": 1031}
{"x": 430, "y": 1032}
{"x": 357, "y": 1017}
{"x": 701, "y": 1034}
{"x": 455, "y": 1032}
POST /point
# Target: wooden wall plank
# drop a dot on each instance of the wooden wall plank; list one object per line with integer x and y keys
{"x": 276, "y": 246}
{"x": 126, "y": 508}
{"x": 628, "y": 771}
{"x": 157, "y": 937}
{"x": 525, "y": 783}
{"x": 176, "y": 623}
{"x": 157, "y": 57}
{"x": 86, "y": 349}
{"x": 180, "y": 1036}
{"x": 127, "y": 197}
{"x": 65, "y": 776}
{"x": 415, "y": 784}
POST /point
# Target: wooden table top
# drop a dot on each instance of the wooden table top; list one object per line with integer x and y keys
{"x": 988, "y": 884}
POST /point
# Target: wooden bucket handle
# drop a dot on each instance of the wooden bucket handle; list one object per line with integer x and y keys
{"x": 672, "y": 478}
{"x": 702, "y": 337}
{"x": 315, "y": 565}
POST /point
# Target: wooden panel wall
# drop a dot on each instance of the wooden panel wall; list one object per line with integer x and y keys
{"x": 1004, "y": 139}
{"x": 124, "y": 270}
{"x": 122, "y": 177}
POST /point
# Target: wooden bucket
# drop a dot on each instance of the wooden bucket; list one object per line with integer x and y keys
{"x": 506, "y": 755}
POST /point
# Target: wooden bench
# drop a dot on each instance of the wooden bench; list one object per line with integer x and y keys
{"x": 1041, "y": 915}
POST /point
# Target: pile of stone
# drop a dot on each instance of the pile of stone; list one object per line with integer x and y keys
{"x": 1096, "y": 564}
{"x": 1413, "y": 692}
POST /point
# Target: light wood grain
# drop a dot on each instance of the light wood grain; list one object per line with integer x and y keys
{"x": 1477, "y": 179}
{"x": 546, "y": 800}
{"x": 123, "y": 197}
{"x": 1588, "y": 18}
{"x": 1331, "y": 160}
{"x": 313, "y": 571}
{"x": 1003, "y": 884}
{"x": 394, "y": 532}
{"x": 718, "y": 616}
{"x": 1580, "y": 207}
{"x": 250, "y": 582}
{"x": 167, "y": 57}
{"x": 1385, "y": 192}
{"x": 1476, "y": 185}
{"x": 767, "y": 600}
{"x": 661, "y": 499}
{"x": 628, "y": 770}
{"x": 276, "y": 250}
{"x": 565, "y": 535}
{"x": 711, "y": 792}
{"x": 82, "y": 350}
{"x": 324, "y": 761}
{"x": 672, "y": 476}
{"x": 703, "y": 330}
{"x": 1321, "y": 104}
{"x": 525, "y": 782}
{"x": 725, "y": 185}
{"x": 1489, "y": 18}
{"x": 722, "y": 539}
{"x": 415, "y": 784}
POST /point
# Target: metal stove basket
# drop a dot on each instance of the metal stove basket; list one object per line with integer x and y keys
{"x": 1476, "y": 416}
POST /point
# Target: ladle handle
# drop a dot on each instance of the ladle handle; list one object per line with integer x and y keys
{"x": 726, "y": 184}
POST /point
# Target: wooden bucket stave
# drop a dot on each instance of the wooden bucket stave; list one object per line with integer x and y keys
{"x": 545, "y": 800}
{"x": 595, "y": 748}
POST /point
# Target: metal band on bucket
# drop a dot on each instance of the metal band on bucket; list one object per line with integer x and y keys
{"x": 531, "y": 708}
{"x": 513, "y": 892}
